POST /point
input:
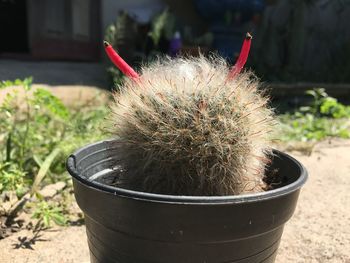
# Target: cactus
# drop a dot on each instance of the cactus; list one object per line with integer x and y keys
{"x": 185, "y": 128}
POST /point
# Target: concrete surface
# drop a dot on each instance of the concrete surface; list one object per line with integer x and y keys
{"x": 55, "y": 73}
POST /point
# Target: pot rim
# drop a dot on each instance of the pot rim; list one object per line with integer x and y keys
{"x": 180, "y": 199}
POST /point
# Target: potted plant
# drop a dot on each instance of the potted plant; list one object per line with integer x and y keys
{"x": 190, "y": 175}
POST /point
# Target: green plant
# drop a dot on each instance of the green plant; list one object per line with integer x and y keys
{"x": 17, "y": 82}
{"x": 324, "y": 117}
{"x": 12, "y": 179}
{"x": 47, "y": 213}
{"x": 37, "y": 132}
{"x": 162, "y": 24}
{"x": 122, "y": 31}
{"x": 192, "y": 130}
{"x": 318, "y": 96}
{"x": 115, "y": 75}
{"x": 33, "y": 124}
{"x": 307, "y": 127}
{"x": 326, "y": 106}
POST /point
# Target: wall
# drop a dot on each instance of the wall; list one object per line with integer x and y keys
{"x": 64, "y": 29}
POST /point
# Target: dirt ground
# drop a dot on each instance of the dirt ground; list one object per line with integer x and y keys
{"x": 318, "y": 232}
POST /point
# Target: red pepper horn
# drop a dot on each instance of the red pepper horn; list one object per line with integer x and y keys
{"x": 242, "y": 59}
{"x": 119, "y": 62}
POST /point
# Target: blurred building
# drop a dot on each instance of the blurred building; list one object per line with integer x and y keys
{"x": 293, "y": 40}
{"x": 64, "y": 29}
{"x": 50, "y": 29}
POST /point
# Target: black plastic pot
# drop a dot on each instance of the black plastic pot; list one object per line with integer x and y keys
{"x": 131, "y": 227}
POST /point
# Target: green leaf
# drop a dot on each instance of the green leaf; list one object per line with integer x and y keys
{"x": 59, "y": 219}
{"x": 45, "y": 99}
{"x": 44, "y": 169}
{"x": 27, "y": 83}
{"x": 46, "y": 220}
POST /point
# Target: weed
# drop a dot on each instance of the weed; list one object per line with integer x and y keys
{"x": 37, "y": 132}
{"x": 324, "y": 117}
{"x": 47, "y": 213}
{"x": 13, "y": 179}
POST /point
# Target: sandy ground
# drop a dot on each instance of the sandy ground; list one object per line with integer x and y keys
{"x": 318, "y": 232}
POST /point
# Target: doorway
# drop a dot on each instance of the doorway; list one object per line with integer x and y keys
{"x": 13, "y": 26}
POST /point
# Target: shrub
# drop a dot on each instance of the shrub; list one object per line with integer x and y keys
{"x": 37, "y": 132}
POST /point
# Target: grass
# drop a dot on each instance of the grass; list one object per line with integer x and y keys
{"x": 38, "y": 132}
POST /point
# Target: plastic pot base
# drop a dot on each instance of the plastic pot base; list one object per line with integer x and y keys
{"x": 131, "y": 227}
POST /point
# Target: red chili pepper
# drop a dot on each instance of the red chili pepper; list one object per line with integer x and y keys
{"x": 242, "y": 59}
{"x": 119, "y": 62}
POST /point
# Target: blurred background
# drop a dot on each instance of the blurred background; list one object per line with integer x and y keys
{"x": 295, "y": 42}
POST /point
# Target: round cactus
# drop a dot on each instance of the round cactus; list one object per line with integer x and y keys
{"x": 185, "y": 128}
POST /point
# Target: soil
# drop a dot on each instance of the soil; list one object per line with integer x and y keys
{"x": 318, "y": 232}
